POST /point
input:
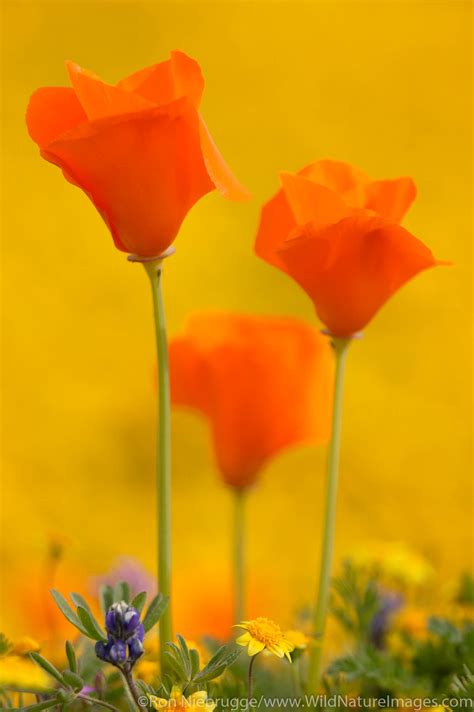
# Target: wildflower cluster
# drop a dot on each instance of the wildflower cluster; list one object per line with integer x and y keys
{"x": 125, "y": 635}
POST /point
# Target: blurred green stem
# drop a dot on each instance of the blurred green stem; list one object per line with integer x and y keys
{"x": 239, "y": 554}
{"x": 340, "y": 346}
{"x": 163, "y": 453}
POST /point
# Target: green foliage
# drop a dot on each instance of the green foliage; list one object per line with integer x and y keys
{"x": 355, "y": 601}
{"x": 463, "y": 685}
{"x": 184, "y": 664}
{"x": 5, "y": 645}
{"x": 442, "y": 656}
{"x": 465, "y": 594}
{"x": 157, "y": 607}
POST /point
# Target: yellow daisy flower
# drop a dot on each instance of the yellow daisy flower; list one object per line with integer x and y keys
{"x": 264, "y": 634}
{"x": 197, "y": 702}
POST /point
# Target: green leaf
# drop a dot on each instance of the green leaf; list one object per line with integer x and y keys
{"x": 155, "y": 610}
{"x": 71, "y": 656}
{"x": 48, "y": 667}
{"x": 139, "y": 601}
{"x": 185, "y": 657}
{"x": 47, "y": 704}
{"x": 122, "y": 592}
{"x": 175, "y": 664}
{"x": 217, "y": 665}
{"x": 67, "y": 611}
{"x": 73, "y": 680}
{"x": 106, "y": 596}
{"x": 195, "y": 662}
{"x": 5, "y": 644}
{"x": 90, "y": 624}
{"x": 80, "y": 602}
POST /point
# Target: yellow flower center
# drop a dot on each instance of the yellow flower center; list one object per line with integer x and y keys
{"x": 265, "y": 631}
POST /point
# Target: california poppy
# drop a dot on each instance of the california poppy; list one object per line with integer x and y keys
{"x": 139, "y": 149}
{"x": 264, "y": 383}
{"x": 336, "y": 233}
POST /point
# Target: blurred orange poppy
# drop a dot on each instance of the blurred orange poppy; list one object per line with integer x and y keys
{"x": 264, "y": 383}
{"x": 139, "y": 149}
{"x": 335, "y": 232}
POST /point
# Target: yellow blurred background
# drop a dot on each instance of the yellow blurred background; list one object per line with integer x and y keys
{"x": 384, "y": 85}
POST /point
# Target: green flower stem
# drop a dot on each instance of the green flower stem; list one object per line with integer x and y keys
{"x": 296, "y": 677}
{"x": 163, "y": 454}
{"x": 239, "y": 554}
{"x": 340, "y": 346}
{"x": 130, "y": 685}
{"x": 250, "y": 679}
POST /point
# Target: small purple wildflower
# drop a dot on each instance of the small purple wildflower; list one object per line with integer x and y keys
{"x": 125, "y": 636}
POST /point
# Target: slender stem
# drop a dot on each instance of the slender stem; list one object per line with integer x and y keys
{"x": 296, "y": 677}
{"x": 95, "y": 701}
{"x": 163, "y": 454}
{"x": 130, "y": 682}
{"x": 329, "y": 526}
{"x": 250, "y": 679}
{"x": 239, "y": 554}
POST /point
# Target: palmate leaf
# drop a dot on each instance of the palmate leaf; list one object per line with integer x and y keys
{"x": 122, "y": 592}
{"x": 46, "y": 705}
{"x": 217, "y": 665}
{"x": 48, "y": 667}
{"x": 139, "y": 601}
{"x": 176, "y": 666}
{"x": 71, "y": 657}
{"x": 195, "y": 662}
{"x": 185, "y": 656}
{"x": 67, "y": 611}
{"x": 155, "y": 610}
{"x": 106, "y": 596}
{"x": 90, "y": 624}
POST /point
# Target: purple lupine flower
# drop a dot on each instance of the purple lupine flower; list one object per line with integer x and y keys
{"x": 390, "y": 603}
{"x": 122, "y": 620}
{"x": 125, "y": 635}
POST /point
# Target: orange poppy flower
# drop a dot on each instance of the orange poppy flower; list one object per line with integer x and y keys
{"x": 139, "y": 149}
{"x": 335, "y": 232}
{"x": 264, "y": 383}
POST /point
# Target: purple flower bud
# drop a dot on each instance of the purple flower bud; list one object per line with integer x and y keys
{"x": 101, "y": 650}
{"x": 118, "y": 652}
{"x": 135, "y": 648}
{"x": 121, "y": 621}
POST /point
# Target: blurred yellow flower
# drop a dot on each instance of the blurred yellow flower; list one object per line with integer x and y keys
{"x": 264, "y": 634}
{"x": 178, "y": 703}
{"x": 18, "y": 671}
{"x": 299, "y": 639}
{"x": 25, "y": 645}
{"x": 148, "y": 670}
{"x": 396, "y": 562}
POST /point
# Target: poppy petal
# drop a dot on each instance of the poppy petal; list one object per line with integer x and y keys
{"x": 253, "y": 366}
{"x": 340, "y": 177}
{"x": 350, "y": 269}
{"x": 52, "y": 111}
{"x": 173, "y": 79}
{"x": 311, "y": 202}
{"x": 99, "y": 99}
{"x": 276, "y": 223}
{"x": 391, "y": 198}
{"x": 142, "y": 171}
{"x": 218, "y": 170}
{"x": 188, "y": 375}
